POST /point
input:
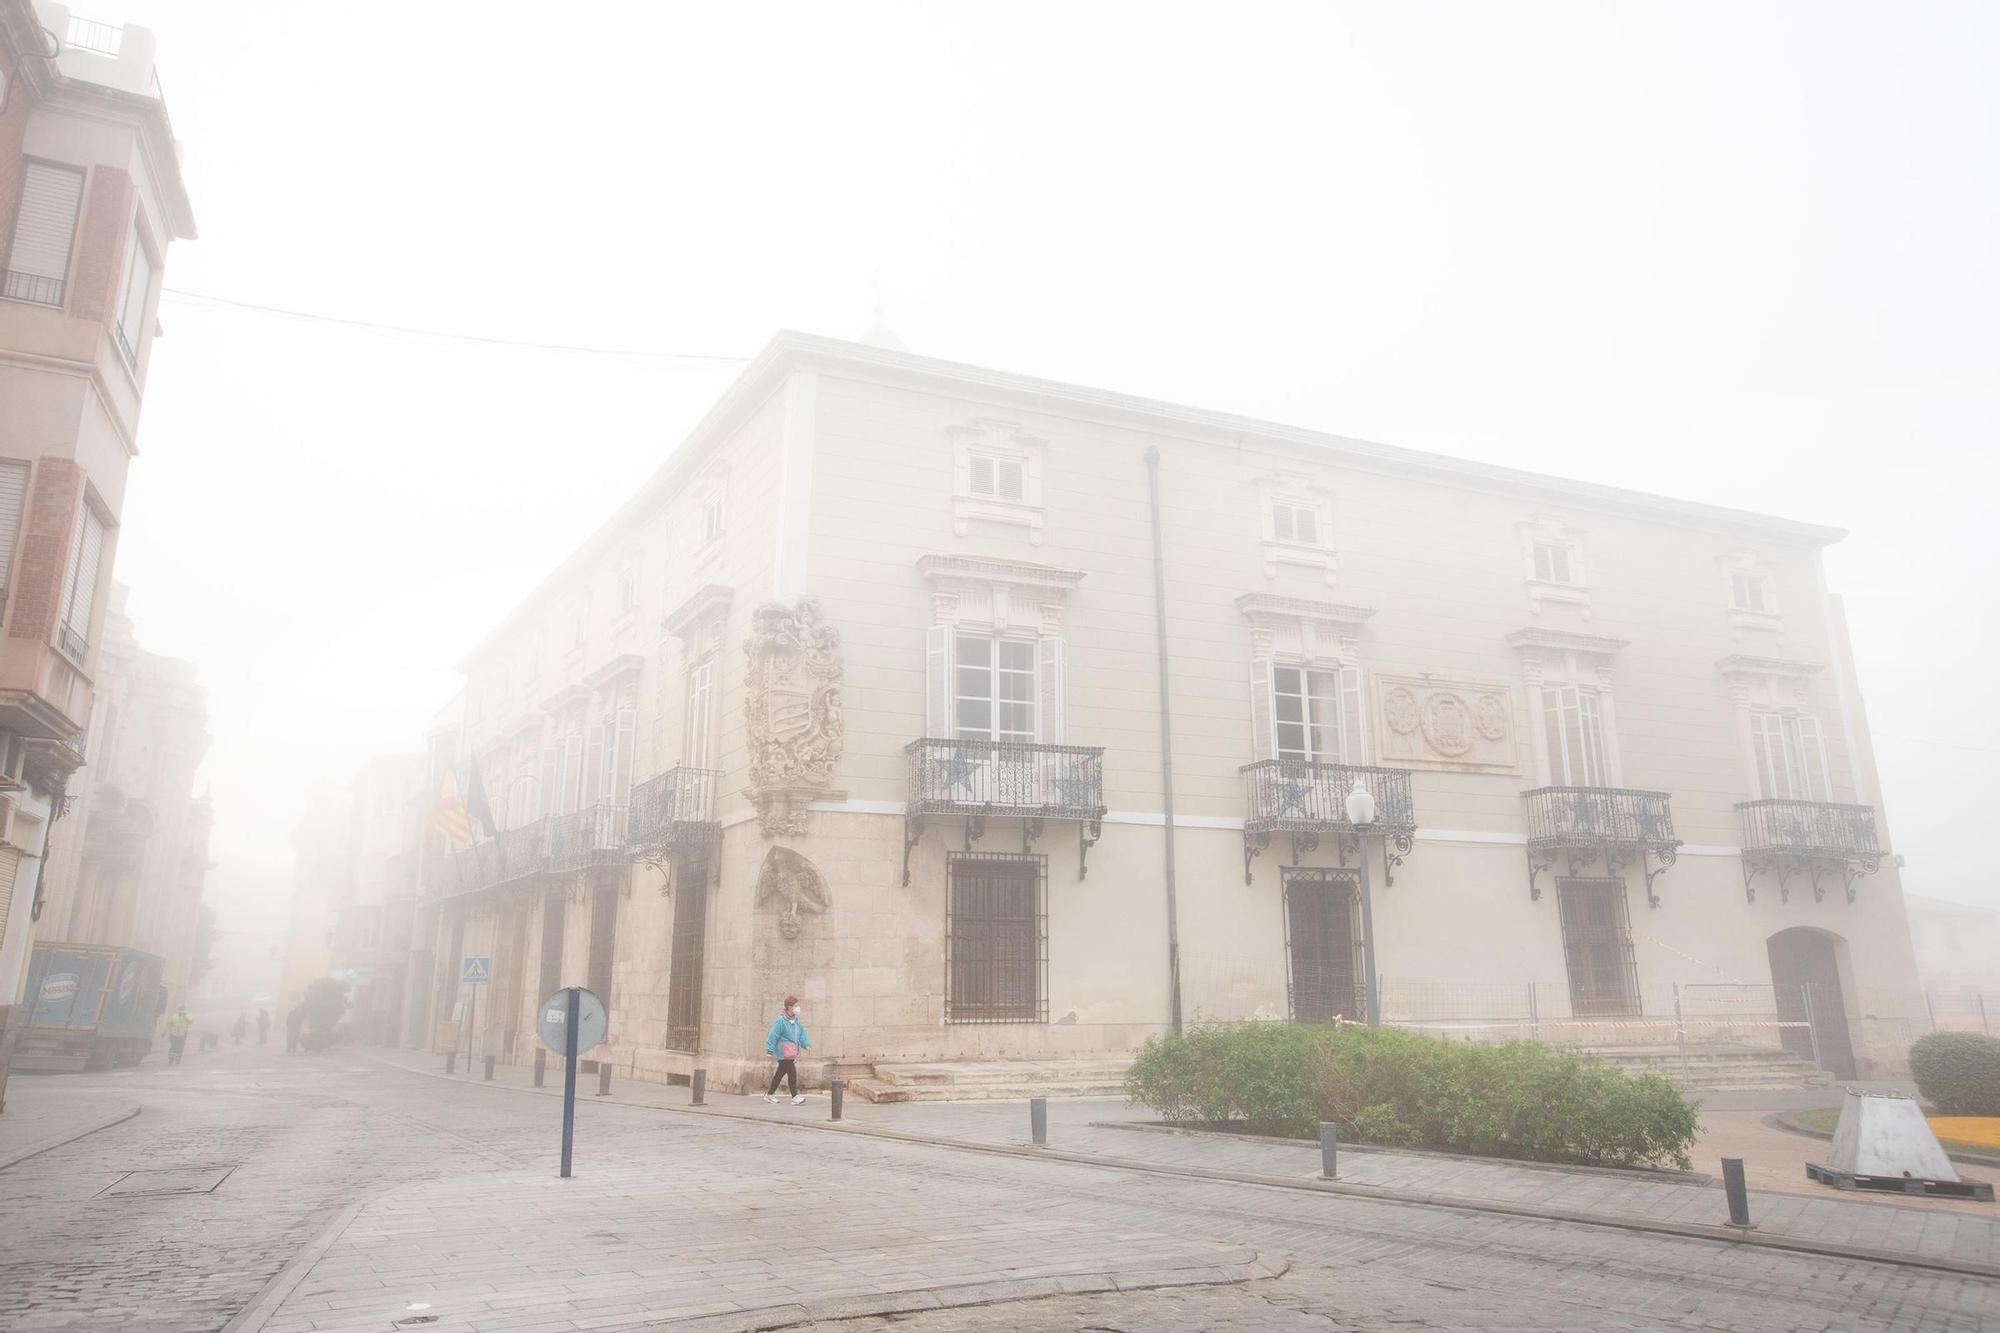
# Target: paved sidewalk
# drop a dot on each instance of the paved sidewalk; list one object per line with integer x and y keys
{"x": 43, "y": 1113}
{"x": 1106, "y": 1131}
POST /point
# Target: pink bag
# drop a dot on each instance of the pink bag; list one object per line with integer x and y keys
{"x": 788, "y": 1050}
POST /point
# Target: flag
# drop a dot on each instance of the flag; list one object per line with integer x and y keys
{"x": 476, "y": 804}
{"x": 450, "y": 818}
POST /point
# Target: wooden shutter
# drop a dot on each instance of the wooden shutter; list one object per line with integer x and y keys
{"x": 937, "y": 682}
{"x": 1262, "y": 743}
{"x": 1007, "y": 478}
{"x": 44, "y": 228}
{"x": 13, "y": 499}
{"x": 1353, "y": 717}
{"x": 1053, "y": 668}
{"x": 1812, "y": 761}
{"x": 572, "y": 774}
{"x": 593, "y": 766}
{"x": 982, "y": 474}
{"x": 624, "y": 741}
{"x": 548, "y": 792}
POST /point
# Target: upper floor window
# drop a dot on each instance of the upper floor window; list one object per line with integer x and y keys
{"x": 1573, "y": 717}
{"x": 1791, "y": 756}
{"x": 712, "y": 516}
{"x": 1553, "y": 563}
{"x": 1295, "y": 516}
{"x": 80, "y": 583}
{"x": 1292, "y": 522}
{"x": 996, "y": 477}
{"x": 1316, "y": 713}
{"x": 1749, "y": 591}
{"x": 579, "y": 624}
{"x": 1552, "y": 560}
{"x": 628, "y": 588}
{"x": 132, "y": 301}
{"x": 995, "y": 689}
{"x": 37, "y": 265}
{"x": 698, "y": 739}
{"x": 997, "y": 470}
{"x": 13, "y": 500}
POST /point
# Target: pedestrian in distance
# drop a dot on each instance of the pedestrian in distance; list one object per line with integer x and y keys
{"x": 241, "y": 1029}
{"x": 263, "y": 1026}
{"x": 787, "y": 1040}
{"x": 178, "y": 1023}
{"x": 295, "y": 1023}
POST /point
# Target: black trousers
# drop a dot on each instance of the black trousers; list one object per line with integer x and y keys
{"x": 175, "y": 1045}
{"x": 787, "y": 1070}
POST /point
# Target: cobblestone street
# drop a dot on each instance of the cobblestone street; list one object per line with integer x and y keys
{"x": 436, "y": 1201}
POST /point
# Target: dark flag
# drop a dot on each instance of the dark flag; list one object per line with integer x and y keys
{"x": 476, "y": 804}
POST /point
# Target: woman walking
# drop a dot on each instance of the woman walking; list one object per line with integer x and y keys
{"x": 787, "y": 1039}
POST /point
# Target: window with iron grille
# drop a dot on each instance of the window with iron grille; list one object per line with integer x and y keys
{"x": 689, "y": 948}
{"x": 997, "y": 939}
{"x": 1597, "y": 946}
{"x": 1323, "y": 944}
{"x": 603, "y": 941}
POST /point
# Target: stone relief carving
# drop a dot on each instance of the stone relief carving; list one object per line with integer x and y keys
{"x": 1437, "y": 722}
{"x": 794, "y": 713}
{"x": 794, "y": 887}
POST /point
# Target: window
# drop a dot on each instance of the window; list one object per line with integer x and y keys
{"x": 1749, "y": 592}
{"x": 13, "y": 500}
{"x": 711, "y": 519}
{"x": 628, "y": 589}
{"x": 1574, "y": 718}
{"x": 132, "y": 302}
{"x": 1597, "y": 946}
{"x": 698, "y": 742}
{"x": 1295, "y": 523}
{"x": 997, "y": 477}
{"x": 80, "y": 584}
{"x": 44, "y": 228}
{"x": 1553, "y": 563}
{"x": 624, "y": 739}
{"x": 1791, "y": 757}
{"x": 685, "y": 962}
{"x": 1306, "y": 708}
{"x": 579, "y": 624}
{"x": 1323, "y": 931}
{"x": 569, "y": 795}
{"x": 995, "y": 694}
{"x": 996, "y": 961}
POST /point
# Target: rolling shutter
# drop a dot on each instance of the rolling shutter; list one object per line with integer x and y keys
{"x": 1053, "y": 669}
{"x": 937, "y": 682}
{"x": 44, "y": 228}
{"x": 1262, "y": 745}
{"x": 13, "y": 499}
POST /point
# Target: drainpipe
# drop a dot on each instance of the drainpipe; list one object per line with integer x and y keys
{"x": 1166, "y": 743}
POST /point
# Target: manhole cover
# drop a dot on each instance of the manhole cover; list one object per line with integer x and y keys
{"x": 195, "y": 1180}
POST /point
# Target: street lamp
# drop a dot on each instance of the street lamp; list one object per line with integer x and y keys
{"x": 1361, "y": 817}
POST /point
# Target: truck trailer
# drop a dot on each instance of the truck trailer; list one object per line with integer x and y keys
{"x": 88, "y": 1006}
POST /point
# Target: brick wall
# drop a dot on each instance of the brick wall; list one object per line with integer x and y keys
{"x": 38, "y": 576}
{"x": 100, "y": 248}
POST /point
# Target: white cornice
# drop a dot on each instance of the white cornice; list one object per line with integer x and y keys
{"x": 1742, "y": 664}
{"x": 1301, "y": 608}
{"x": 1018, "y": 573}
{"x": 1566, "y": 640}
{"x": 710, "y": 597}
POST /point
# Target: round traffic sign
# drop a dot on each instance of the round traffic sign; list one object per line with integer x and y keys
{"x": 554, "y": 1013}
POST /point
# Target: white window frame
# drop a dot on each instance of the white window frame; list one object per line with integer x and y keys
{"x": 1291, "y": 495}
{"x": 710, "y": 519}
{"x": 1790, "y": 749}
{"x": 80, "y": 592}
{"x": 130, "y": 325}
{"x": 1578, "y": 746}
{"x": 698, "y": 726}
{"x": 1025, "y": 674}
{"x": 1555, "y": 562}
{"x": 990, "y": 447}
{"x": 1742, "y": 570}
{"x": 1539, "y": 576}
{"x": 1342, "y": 728}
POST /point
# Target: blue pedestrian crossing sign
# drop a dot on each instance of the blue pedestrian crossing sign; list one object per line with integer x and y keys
{"x": 476, "y": 969}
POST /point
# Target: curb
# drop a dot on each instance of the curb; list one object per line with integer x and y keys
{"x": 69, "y": 1136}
{"x": 267, "y": 1302}
{"x": 1787, "y": 1121}
{"x": 798, "y": 1314}
{"x": 1720, "y": 1233}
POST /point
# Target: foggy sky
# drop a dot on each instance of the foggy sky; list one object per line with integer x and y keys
{"x": 1737, "y": 254}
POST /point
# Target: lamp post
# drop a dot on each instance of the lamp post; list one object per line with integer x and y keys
{"x": 1361, "y": 817}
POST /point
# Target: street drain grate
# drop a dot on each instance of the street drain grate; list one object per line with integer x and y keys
{"x": 190, "y": 1180}
{"x": 419, "y": 1319}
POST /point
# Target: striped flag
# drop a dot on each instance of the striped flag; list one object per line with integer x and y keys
{"x": 451, "y": 820}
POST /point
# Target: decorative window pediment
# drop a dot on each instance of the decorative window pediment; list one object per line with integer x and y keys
{"x": 1552, "y": 561}
{"x": 997, "y": 477}
{"x": 1768, "y": 682}
{"x": 1309, "y": 631}
{"x": 998, "y": 594}
{"x": 1296, "y": 517}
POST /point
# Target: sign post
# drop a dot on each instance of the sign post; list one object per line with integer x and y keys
{"x": 570, "y": 1022}
{"x": 473, "y": 971}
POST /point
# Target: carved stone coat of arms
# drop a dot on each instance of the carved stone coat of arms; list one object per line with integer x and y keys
{"x": 794, "y": 722}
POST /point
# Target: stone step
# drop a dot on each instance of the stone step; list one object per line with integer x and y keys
{"x": 874, "y": 1090}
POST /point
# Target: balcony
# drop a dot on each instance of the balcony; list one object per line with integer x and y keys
{"x": 978, "y": 780}
{"x": 594, "y": 836}
{"x": 516, "y": 854}
{"x": 1617, "y": 825}
{"x": 672, "y": 813}
{"x": 1820, "y": 838}
{"x": 1307, "y": 800}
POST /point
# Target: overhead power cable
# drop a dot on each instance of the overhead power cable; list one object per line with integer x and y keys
{"x": 445, "y": 335}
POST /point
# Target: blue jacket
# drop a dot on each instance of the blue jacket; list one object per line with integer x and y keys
{"x": 784, "y": 1030}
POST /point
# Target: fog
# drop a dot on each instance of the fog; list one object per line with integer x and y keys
{"x": 1738, "y": 254}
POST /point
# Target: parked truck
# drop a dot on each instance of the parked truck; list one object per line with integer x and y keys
{"x": 89, "y": 1006}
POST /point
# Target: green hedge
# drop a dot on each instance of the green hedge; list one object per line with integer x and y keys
{"x": 1958, "y": 1072}
{"x": 1398, "y": 1089}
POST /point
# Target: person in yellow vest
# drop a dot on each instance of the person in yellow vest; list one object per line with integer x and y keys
{"x": 178, "y": 1023}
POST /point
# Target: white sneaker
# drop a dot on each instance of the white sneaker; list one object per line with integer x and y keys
{"x": 799, "y": 1100}
{"x": 771, "y": 1098}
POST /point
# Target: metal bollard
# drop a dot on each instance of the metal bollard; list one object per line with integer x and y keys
{"x": 604, "y": 1078}
{"x": 489, "y": 1069}
{"x": 541, "y": 1065}
{"x": 451, "y": 1062}
{"x": 1038, "y": 1120}
{"x": 1329, "y": 1150}
{"x": 699, "y": 1085}
{"x": 839, "y": 1095}
{"x": 1739, "y": 1197}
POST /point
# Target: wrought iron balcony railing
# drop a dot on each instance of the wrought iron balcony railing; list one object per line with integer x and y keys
{"x": 1306, "y": 800}
{"x": 671, "y": 811}
{"x": 984, "y": 779}
{"x": 595, "y": 835}
{"x": 515, "y": 854}
{"x": 1619, "y": 824}
{"x": 1819, "y": 837}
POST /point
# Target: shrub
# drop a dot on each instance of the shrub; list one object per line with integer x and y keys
{"x": 1958, "y": 1072}
{"x": 1401, "y": 1089}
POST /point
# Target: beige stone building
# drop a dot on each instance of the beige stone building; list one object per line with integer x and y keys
{"x": 1001, "y": 718}
{"x": 90, "y": 198}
